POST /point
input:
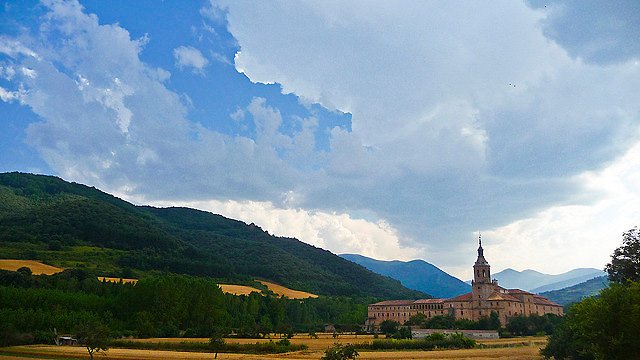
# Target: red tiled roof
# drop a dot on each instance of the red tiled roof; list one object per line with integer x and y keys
{"x": 518, "y": 291}
{"x": 463, "y": 297}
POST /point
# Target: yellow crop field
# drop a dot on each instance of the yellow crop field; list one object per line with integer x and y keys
{"x": 37, "y": 268}
{"x": 238, "y": 289}
{"x": 117, "y": 280}
{"x": 521, "y": 353}
{"x": 284, "y": 291}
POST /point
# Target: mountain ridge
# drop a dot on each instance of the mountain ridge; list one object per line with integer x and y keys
{"x": 535, "y": 281}
{"x": 45, "y": 216}
{"x": 415, "y": 274}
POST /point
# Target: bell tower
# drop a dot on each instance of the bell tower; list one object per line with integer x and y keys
{"x": 481, "y": 286}
{"x": 481, "y": 269}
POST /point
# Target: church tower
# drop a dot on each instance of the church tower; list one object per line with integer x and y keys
{"x": 481, "y": 269}
{"x": 482, "y": 287}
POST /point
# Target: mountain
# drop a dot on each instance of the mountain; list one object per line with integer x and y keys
{"x": 73, "y": 225}
{"x": 415, "y": 274}
{"x": 577, "y": 292}
{"x": 534, "y": 281}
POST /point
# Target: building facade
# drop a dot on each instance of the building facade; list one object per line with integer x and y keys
{"x": 486, "y": 296}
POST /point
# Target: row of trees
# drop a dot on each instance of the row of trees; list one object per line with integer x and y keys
{"x": 166, "y": 306}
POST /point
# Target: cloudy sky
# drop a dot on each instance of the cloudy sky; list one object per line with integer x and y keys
{"x": 396, "y": 130}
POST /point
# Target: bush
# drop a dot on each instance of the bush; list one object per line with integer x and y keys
{"x": 430, "y": 342}
{"x": 340, "y": 352}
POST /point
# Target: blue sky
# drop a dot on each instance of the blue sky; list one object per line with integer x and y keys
{"x": 394, "y": 130}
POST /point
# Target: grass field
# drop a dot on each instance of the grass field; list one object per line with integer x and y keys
{"x": 284, "y": 291}
{"x": 37, "y": 268}
{"x": 117, "y": 280}
{"x": 238, "y": 289}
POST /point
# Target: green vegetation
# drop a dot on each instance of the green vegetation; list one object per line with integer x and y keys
{"x": 430, "y": 342}
{"x": 450, "y": 323}
{"x": 606, "y": 326}
{"x": 625, "y": 261}
{"x": 533, "y": 325}
{"x": 340, "y": 352}
{"x": 575, "y": 293}
{"x": 32, "y": 306}
{"x": 94, "y": 336}
{"x": 72, "y": 225}
{"x": 270, "y": 347}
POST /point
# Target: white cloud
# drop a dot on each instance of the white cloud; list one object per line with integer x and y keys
{"x": 190, "y": 57}
{"x": 340, "y": 233}
{"x": 441, "y": 143}
{"x": 569, "y": 236}
{"x": 463, "y": 117}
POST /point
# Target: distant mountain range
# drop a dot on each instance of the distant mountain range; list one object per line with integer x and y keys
{"x": 537, "y": 282}
{"x": 577, "y": 292}
{"x": 416, "y": 274}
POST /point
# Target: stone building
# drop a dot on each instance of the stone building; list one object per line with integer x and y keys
{"x": 486, "y": 296}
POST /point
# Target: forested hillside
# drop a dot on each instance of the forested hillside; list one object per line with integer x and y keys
{"x": 72, "y": 225}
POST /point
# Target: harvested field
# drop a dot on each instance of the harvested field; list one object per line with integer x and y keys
{"x": 284, "y": 291}
{"x": 117, "y": 280}
{"x": 20, "y": 352}
{"x": 238, "y": 289}
{"x": 37, "y": 268}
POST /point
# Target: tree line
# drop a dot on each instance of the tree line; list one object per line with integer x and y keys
{"x": 167, "y": 305}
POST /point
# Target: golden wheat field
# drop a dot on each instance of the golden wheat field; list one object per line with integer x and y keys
{"x": 238, "y": 289}
{"x": 19, "y": 352}
{"x": 117, "y": 280}
{"x": 284, "y": 291}
{"x": 37, "y": 268}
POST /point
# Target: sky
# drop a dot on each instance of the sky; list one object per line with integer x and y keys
{"x": 396, "y": 130}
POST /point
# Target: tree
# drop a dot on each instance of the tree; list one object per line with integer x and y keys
{"x": 604, "y": 327}
{"x": 389, "y": 327}
{"x": 340, "y": 352}
{"x": 625, "y": 261}
{"x": 25, "y": 271}
{"x": 94, "y": 336}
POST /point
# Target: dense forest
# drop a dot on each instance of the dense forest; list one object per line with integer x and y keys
{"x": 33, "y": 307}
{"x": 70, "y": 225}
{"x": 179, "y": 256}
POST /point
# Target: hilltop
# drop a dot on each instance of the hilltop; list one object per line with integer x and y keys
{"x": 578, "y": 292}
{"x": 73, "y": 225}
{"x": 416, "y": 274}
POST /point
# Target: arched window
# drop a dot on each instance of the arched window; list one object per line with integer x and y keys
{"x": 483, "y": 273}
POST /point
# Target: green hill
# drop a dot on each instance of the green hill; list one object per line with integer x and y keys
{"x": 575, "y": 293}
{"x": 73, "y": 225}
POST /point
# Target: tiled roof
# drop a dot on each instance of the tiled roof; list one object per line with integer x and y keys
{"x": 541, "y": 300}
{"x": 518, "y": 291}
{"x": 429, "y": 301}
{"x": 497, "y": 296}
{"x": 464, "y": 297}
{"x": 395, "y": 302}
